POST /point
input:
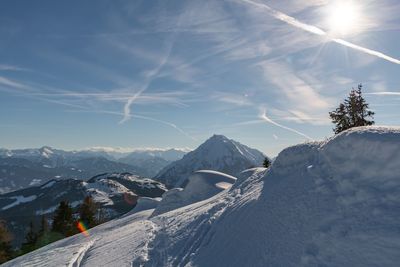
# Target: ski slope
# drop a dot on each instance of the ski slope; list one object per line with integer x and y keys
{"x": 332, "y": 203}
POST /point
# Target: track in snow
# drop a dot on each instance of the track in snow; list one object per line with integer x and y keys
{"x": 80, "y": 254}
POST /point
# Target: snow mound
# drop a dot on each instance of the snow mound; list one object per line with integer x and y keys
{"x": 201, "y": 185}
{"x": 333, "y": 203}
{"x": 145, "y": 203}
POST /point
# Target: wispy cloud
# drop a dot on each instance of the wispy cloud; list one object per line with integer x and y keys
{"x": 10, "y": 83}
{"x": 384, "y": 93}
{"x": 299, "y": 94}
{"x": 264, "y": 116}
{"x": 232, "y": 98}
{"x": 317, "y": 31}
{"x": 4, "y": 67}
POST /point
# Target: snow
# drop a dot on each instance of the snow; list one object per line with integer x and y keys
{"x": 119, "y": 242}
{"x": 19, "y": 200}
{"x": 201, "y": 185}
{"x": 145, "y": 203}
{"x": 35, "y": 182}
{"x": 46, "y": 211}
{"x": 102, "y": 189}
{"x": 46, "y": 152}
{"x": 344, "y": 211}
{"x": 49, "y": 184}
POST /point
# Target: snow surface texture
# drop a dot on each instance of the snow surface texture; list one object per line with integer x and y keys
{"x": 201, "y": 185}
{"x": 218, "y": 153}
{"x": 334, "y": 203}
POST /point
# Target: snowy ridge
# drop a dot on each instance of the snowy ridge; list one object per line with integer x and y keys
{"x": 332, "y": 203}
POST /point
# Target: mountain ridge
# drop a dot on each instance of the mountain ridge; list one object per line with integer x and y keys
{"x": 217, "y": 153}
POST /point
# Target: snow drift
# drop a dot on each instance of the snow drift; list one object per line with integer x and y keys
{"x": 201, "y": 185}
{"x": 333, "y": 203}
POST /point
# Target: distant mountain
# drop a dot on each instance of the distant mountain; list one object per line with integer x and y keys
{"x": 115, "y": 193}
{"x": 18, "y": 173}
{"x": 21, "y": 168}
{"x": 218, "y": 153}
{"x": 168, "y": 154}
{"x": 153, "y": 161}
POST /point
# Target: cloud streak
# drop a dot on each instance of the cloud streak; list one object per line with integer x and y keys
{"x": 170, "y": 124}
{"x": 263, "y": 116}
{"x": 9, "y": 83}
{"x": 315, "y": 30}
{"x": 149, "y": 79}
{"x": 384, "y": 93}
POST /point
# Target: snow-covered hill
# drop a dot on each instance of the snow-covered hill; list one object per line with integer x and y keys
{"x": 332, "y": 203}
{"x": 115, "y": 193}
{"x": 218, "y": 153}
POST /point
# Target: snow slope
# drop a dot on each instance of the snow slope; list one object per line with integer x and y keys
{"x": 115, "y": 193}
{"x": 333, "y": 203}
{"x": 201, "y": 185}
{"x": 218, "y": 153}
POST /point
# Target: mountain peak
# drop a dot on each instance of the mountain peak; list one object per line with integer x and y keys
{"x": 218, "y": 153}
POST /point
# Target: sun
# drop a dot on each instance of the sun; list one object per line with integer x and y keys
{"x": 344, "y": 18}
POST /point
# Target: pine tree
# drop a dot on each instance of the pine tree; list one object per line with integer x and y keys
{"x": 363, "y": 110}
{"x": 87, "y": 212}
{"x": 5, "y": 243}
{"x": 45, "y": 236}
{"x": 266, "y": 163}
{"x": 44, "y": 226}
{"x": 30, "y": 239}
{"x": 63, "y": 220}
{"x": 340, "y": 118}
{"x": 353, "y": 112}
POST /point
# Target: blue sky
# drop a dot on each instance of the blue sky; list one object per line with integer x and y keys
{"x": 78, "y": 74}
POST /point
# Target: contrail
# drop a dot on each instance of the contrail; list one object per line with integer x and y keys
{"x": 170, "y": 124}
{"x": 166, "y": 123}
{"x": 315, "y": 30}
{"x": 384, "y": 93}
{"x": 265, "y": 118}
{"x": 148, "y": 81}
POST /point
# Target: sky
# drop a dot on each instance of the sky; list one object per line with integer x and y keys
{"x": 137, "y": 74}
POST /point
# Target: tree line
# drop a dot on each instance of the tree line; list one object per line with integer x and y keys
{"x": 64, "y": 224}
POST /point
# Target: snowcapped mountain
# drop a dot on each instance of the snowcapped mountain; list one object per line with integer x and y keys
{"x": 22, "y": 168}
{"x": 218, "y": 153}
{"x": 116, "y": 193}
{"x": 152, "y": 160}
{"x": 166, "y": 154}
{"x": 332, "y": 203}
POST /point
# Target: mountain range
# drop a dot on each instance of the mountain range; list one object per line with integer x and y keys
{"x": 22, "y": 168}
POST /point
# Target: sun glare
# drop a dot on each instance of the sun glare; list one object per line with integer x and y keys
{"x": 344, "y": 18}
